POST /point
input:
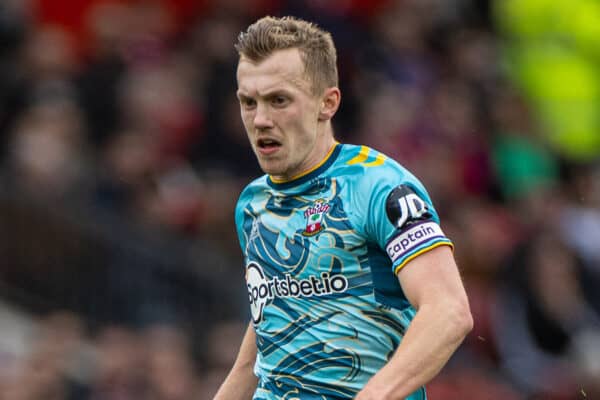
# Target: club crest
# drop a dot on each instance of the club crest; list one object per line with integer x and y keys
{"x": 314, "y": 217}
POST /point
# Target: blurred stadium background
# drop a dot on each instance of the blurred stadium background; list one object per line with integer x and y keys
{"x": 122, "y": 155}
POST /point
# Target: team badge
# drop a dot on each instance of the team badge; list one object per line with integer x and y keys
{"x": 314, "y": 217}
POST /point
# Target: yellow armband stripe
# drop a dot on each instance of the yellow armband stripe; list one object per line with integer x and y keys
{"x": 442, "y": 242}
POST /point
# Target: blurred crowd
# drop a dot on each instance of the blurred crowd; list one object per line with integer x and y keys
{"x": 122, "y": 155}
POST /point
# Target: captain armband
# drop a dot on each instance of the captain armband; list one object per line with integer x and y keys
{"x": 416, "y": 231}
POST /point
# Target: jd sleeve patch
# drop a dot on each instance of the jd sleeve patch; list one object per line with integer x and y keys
{"x": 403, "y": 207}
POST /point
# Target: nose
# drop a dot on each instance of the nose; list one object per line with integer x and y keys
{"x": 262, "y": 119}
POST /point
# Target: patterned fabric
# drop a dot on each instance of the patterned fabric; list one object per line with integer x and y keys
{"x": 321, "y": 255}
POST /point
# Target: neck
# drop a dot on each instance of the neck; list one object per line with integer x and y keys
{"x": 326, "y": 131}
{"x": 322, "y": 150}
{"x": 326, "y": 144}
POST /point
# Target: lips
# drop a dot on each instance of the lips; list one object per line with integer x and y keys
{"x": 267, "y": 146}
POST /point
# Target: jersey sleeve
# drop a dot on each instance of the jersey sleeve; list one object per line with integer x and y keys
{"x": 401, "y": 217}
{"x": 240, "y": 218}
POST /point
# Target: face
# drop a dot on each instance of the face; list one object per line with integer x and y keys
{"x": 284, "y": 120}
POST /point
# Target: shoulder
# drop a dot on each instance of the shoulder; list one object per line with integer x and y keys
{"x": 251, "y": 190}
{"x": 370, "y": 168}
{"x": 244, "y": 203}
{"x": 379, "y": 182}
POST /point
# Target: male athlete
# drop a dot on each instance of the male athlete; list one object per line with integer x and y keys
{"x": 352, "y": 284}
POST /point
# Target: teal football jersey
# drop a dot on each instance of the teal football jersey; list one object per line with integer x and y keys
{"x": 322, "y": 252}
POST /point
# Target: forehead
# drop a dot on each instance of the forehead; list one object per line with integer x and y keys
{"x": 284, "y": 69}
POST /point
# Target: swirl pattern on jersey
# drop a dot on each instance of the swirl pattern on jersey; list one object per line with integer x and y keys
{"x": 327, "y": 309}
{"x": 281, "y": 252}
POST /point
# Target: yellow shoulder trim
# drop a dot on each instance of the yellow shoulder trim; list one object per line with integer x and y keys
{"x": 377, "y": 161}
{"x": 361, "y": 157}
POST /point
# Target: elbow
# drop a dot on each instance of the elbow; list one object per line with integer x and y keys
{"x": 460, "y": 320}
{"x": 454, "y": 319}
{"x": 467, "y": 324}
{"x": 463, "y": 321}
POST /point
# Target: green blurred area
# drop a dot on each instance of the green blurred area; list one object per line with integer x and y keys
{"x": 552, "y": 52}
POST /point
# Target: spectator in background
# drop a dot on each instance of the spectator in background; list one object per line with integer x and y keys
{"x": 120, "y": 366}
{"x": 57, "y": 366}
{"x": 171, "y": 370}
{"x": 580, "y": 219}
{"x": 48, "y": 153}
{"x": 543, "y": 322}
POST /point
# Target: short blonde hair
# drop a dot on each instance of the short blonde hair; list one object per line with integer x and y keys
{"x": 316, "y": 47}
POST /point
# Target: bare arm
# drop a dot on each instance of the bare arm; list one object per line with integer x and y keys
{"x": 432, "y": 284}
{"x": 240, "y": 383}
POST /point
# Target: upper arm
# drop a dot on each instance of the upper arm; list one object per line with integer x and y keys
{"x": 403, "y": 221}
{"x": 247, "y": 353}
{"x": 433, "y": 278}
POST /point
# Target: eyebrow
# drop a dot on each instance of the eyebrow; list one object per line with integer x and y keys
{"x": 269, "y": 93}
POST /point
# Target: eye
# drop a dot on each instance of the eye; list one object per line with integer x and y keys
{"x": 247, "y": 103}
{"x": 279, "y": 101}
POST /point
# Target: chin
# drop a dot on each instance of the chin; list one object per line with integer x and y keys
{"x": 275, "y": 173}
{"x": 269, "y": 168}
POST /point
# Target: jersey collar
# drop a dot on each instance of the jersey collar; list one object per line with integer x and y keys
{"x": 311, "y": 173}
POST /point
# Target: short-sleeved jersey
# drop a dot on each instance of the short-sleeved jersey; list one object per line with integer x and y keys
{"x": 322, "y": 252}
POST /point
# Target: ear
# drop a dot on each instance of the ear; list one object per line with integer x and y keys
{"x": 330, "y": 102}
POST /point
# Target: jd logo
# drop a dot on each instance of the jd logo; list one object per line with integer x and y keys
{"x": 404, "y": 205}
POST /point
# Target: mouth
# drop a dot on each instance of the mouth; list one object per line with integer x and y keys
{"x": 267, "y": 146}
